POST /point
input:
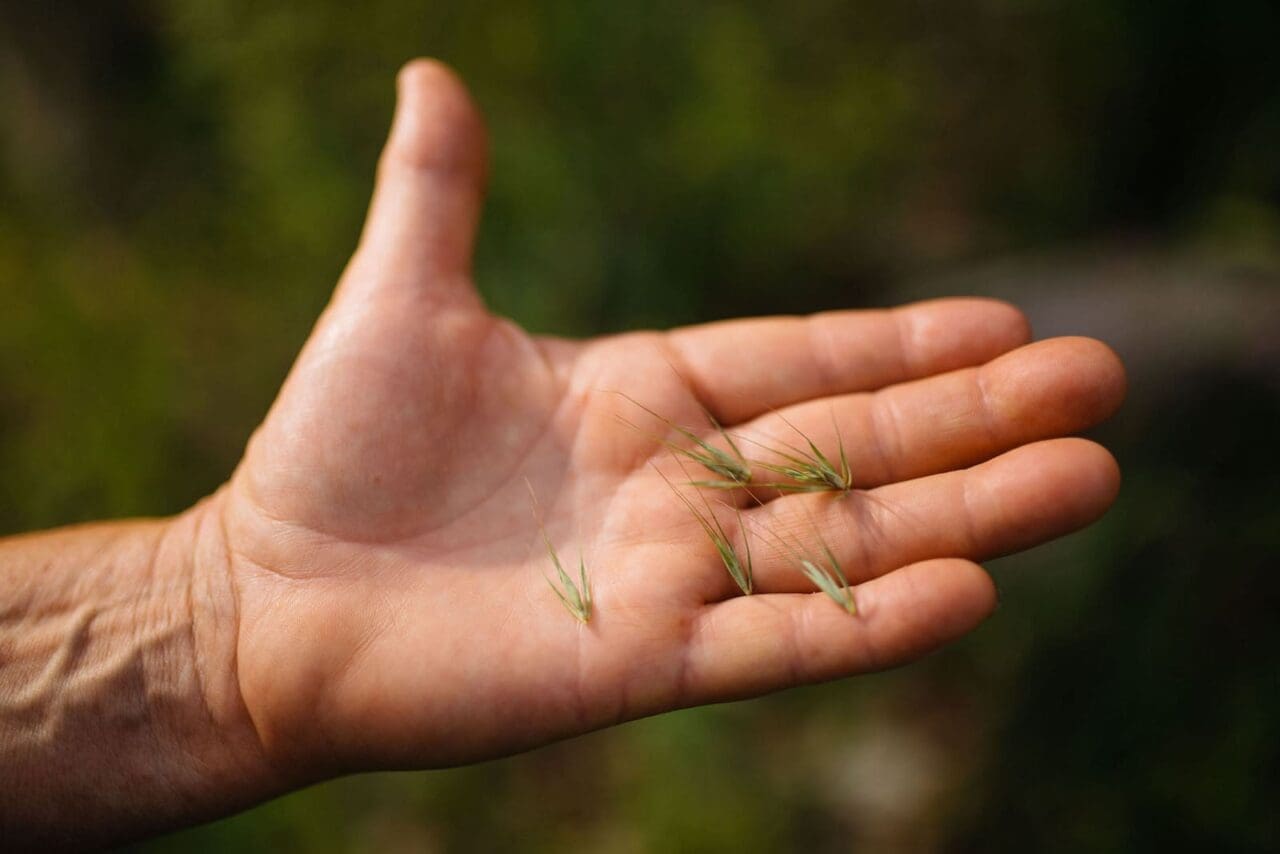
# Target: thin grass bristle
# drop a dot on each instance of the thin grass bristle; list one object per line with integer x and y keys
{"x": 825, "y": 573}
{"x": 807, "y": 471}
{"x": 830, "y": 579}
{"x": 738, "y": 567}
{"x": 575, "y": 596}
{"x": 731, "y": 466}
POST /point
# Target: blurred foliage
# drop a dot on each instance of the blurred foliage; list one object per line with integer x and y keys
{"x": 1163, "y": 700}
{"x": 183, "y": 180}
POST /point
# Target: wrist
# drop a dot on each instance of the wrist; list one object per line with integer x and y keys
{"x": 118, "y": 697}
{"x": 210, "y": 724}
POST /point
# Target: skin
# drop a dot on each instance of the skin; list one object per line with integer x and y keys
{"x": 369, "y": 589}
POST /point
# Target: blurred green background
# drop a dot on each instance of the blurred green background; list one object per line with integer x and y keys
{"x": 182, "y": 181}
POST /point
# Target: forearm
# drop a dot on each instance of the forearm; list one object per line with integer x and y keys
{"x": 119, "y": 709}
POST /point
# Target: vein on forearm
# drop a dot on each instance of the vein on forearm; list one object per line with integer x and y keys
{"x": 68, "y": 630}
{"x": 114, "y": 694}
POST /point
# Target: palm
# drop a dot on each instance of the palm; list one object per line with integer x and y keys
{"x": 393, "y": 602}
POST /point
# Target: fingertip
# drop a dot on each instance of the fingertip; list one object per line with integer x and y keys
{"x": 1100, "y": 472}
{"x": 1105, "y": 382}
{"x": 975, "y": 596}
{"x": 437, "y": 125}
{"x": 422, "y": 70}
{"x": 954, "y": 332}
{"x": 1005, "y": 318}
{"x": 921, "y": 607}
{"x": 1113, "y": 380}
{"x": 1053, "y": 387}
{"x": 1040, "y": 491}
{"x": 1091, "y": 469}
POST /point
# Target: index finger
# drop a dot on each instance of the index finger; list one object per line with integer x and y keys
{"x": 742, "y": 368}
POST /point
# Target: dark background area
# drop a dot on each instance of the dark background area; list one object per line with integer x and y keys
{"x": 181, "y": 183}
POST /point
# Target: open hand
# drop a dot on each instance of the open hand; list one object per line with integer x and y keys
{"x": 391, "y": 607}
